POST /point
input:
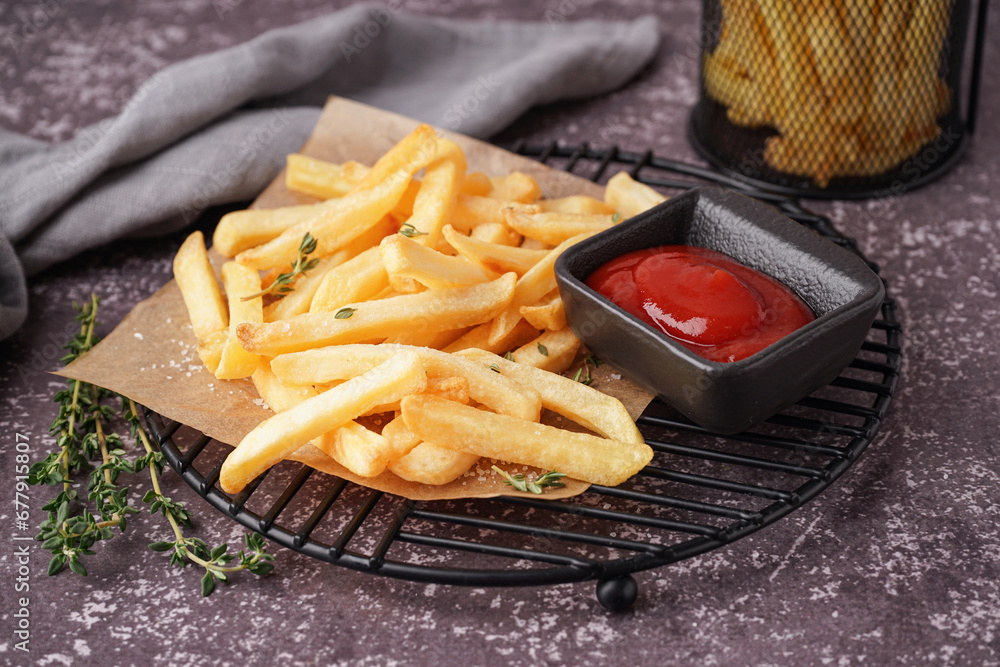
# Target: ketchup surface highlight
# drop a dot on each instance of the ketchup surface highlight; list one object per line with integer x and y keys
{"x": 710, "y": 303}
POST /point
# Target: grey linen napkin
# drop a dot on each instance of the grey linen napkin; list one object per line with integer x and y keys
{"x": 216, "y": 128}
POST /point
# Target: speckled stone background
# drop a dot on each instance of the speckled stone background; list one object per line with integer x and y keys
{"x": 898, "y": 563}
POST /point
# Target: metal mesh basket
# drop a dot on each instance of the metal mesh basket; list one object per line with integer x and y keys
{"x": 834, "y": 98}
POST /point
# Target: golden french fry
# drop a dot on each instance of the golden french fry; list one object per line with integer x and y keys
{"x": 298, "y": 301}
{"x": 239, "y": 281}
{"x": 549, "y": 313}
{"x": 280, "y": 435}
{"x": 434, "y": 310}
{"x": 476, "y": 183}
{"x": 496, "y": 232}
{"x": 403, "y": 257}
{"x": 316, "y": 178}
{"x": 210, "y": 349}
{"x": 428, "y": 463}
{"x": 466, "y": 429}
{"x": 576, "y": 204}
{"x": 453, "y": 388}
{"x": 491, "y": 256}
{"x": 196, "y": 279}
{"x": 471, "y": 211}
{"x": 538, "y": 281}
{"x": 357, "y": 279}
{"x": 278, "y": 396}
{"x": 400, "y": 438}
{"x": 434, "y": 339}
{"x": 554, "y": 228}
{"x": 552, "y": 351}
{"x": 354, "y": 214}
{"x": 419, "y": 148}
{"x": 629, "y": 197}
{"x": 346, "y": 361}
{"x": 363, "y": 452}
{"x": 479, "y": 337}
{"x": 581, "y": 403}
{"x": 242, "y": 230}
{"x": 517, "y": 187}
{"x": 438, "y": 195}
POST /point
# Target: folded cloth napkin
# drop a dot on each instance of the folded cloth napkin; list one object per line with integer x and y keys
{"x": 216, "y": 128}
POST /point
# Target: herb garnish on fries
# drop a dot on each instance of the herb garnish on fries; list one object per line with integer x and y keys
{"x": 431, "y": 301}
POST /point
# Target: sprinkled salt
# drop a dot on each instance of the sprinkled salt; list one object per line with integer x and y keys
{"x": 616, "y": 376}
{"x": 138, "y": 335}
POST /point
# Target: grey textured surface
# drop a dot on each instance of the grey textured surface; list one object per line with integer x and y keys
{"x": 899, "y": 563}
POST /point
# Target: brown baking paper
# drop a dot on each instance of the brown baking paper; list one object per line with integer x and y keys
{"x": 151, "y": 355}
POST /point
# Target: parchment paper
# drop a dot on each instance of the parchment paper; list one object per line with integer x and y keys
{"x": 151, "y": 355}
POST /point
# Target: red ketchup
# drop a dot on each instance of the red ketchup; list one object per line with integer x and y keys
{"x": 707, "y": 301}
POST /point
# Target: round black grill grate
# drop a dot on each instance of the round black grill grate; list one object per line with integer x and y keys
{"x": 700, "y": 492}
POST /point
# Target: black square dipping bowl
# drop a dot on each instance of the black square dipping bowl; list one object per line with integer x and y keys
{"x": 843, "y": 293}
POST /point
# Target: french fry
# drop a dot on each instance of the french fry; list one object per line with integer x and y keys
{"x": 428, "y": 463}
{"x": 437, "y": 197}
{"x": 363, "y": 452}
{"x": 576, "y": 204}
{"x": 202, "y": 296}
{"x": 554, "y": 228}
{"x": 242, "y": 230}
{"x": 496, "y": 232}
{"x": 549, "y": 313}
{"x": 278, "y": 396}
{"x": 583, "y": 404}
{"x": 479, "y": 337}
{"x": 517, "y": 187}
{"x": 477, "y": 184}
{"x": 280, "y": 435}
{"x": 417, "y": 149}
{"x": 210, "y": 350}
{"x": 433, "y": 339}
{"x": 299, "y": 299}
{"x": 345, "y": 361}
{"x": 552, "y": 351}
{"x": 453, "y": 388}
{"x": 471, "y": 211}
{"x": 404, "y": 257}
{"x": 400, "y": 438}
{"x": 629, "y": 197}
{"x": 316, "y": 178}
{"x": 493, "y": 257}
{"x": 239, "y": 281}
{"x": 465, "y": 429}
{"x": 538, "y": 281}
{"x": 357, "y": 279}
{"x": 356, "y": 212}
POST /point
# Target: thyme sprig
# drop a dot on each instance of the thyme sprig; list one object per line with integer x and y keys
{"x": 519, "y": 482}
{"x": 283, "y": 284}
{"x": 582, "y": 374}
{"x": 85, "y": 431}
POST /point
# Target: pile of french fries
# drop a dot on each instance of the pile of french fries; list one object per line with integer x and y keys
{"x": 851, "y": 86}
{"x": 433, "y": 303}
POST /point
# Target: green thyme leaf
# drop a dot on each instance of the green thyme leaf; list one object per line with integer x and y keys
{"x": 616, "y": 218}
{"x": 409, "y": 231}
{"x": 344, "y": 313}
{"x": 282, "y": 285}
{"x": 544, "y": 351}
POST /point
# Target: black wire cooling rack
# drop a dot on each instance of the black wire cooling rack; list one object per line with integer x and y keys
{"x": 700, "y": 492}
